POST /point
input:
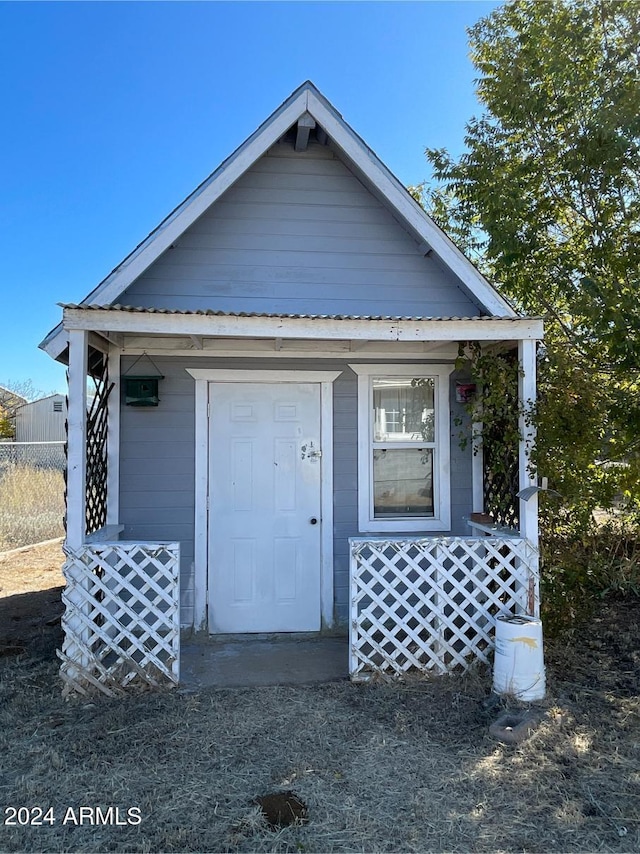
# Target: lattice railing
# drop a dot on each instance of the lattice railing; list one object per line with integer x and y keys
{"x": 122, "y": 617}
{"x": 428, "y": 605}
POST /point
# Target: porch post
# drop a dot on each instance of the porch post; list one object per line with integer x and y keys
{"x": 528, "y": 507}
{"x": 76, "y": 658}
{"x": 527, "y": 397}
{"x": 77, "y": 439}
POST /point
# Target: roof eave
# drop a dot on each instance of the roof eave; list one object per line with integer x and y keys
{"x": 55, "y": 342}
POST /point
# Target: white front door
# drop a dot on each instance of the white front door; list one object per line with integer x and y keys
{"x": 264, "y": 507}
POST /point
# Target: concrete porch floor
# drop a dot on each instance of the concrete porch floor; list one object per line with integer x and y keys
{"x": 251, "y": 662}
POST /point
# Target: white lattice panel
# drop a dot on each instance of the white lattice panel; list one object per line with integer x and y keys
{"x": 428, "y": 605}
{"x": 121, "y": 622}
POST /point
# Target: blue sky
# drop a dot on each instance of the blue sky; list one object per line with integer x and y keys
{"x": 114, "y": 112}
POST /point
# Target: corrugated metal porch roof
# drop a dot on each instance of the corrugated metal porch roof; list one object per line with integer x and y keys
{"x": 208, "y": 312}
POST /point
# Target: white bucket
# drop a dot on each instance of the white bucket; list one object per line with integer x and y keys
{"x": 518, "y": 667}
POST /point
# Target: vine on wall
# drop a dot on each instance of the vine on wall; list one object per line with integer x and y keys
{"x": 496, "y": 407}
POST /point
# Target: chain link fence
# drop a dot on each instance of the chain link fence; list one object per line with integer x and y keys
{"x": 31, "y": 492}
{"x": 38, "y": 455}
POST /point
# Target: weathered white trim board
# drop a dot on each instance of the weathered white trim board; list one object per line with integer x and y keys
{"x": 527, "y": 476}
{"x": 77, "y": 439}
{"x": 326, "y": 501}
{"x": 164, "y": 323}
{"x": 201, "y": 531}
{"x": 223, "y": 375}
{"x": 136, "y": 345}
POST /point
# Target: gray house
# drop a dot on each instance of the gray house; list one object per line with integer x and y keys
{"x": 271, "y": 446}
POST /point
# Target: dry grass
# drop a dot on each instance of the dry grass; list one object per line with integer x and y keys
{"x": 31, "y": 505}
{"x": 380, "y": 767}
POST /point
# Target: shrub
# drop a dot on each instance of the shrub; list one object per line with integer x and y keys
{"x": 31, "y": 505}
{"x": 582, "y": 565}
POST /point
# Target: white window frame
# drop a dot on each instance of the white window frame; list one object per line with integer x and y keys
{"x": 441, "y": 520}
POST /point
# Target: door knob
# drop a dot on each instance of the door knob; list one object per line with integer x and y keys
{"x": 313, "y": 520}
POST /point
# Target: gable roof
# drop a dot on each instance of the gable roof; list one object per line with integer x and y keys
{"x": 306, "y": 103}
{"x": 40, "y": 399}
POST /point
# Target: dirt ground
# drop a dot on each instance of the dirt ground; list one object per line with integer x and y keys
{"x": 378, "y": 767}
{"x": 31, "y": 568}
{"x": 30, "y": 584}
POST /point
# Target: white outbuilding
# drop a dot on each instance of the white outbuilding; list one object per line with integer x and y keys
{"x": 42, "y": 420}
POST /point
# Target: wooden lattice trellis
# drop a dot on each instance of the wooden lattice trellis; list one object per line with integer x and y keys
{"x": 499, "y": 459}
{"x": 500, "y": 482}
{"x": 96, "y": 440}
{"x": 122, "y": 617}
{"x": 97, "y": 414}
{"x": 428, "y": 605}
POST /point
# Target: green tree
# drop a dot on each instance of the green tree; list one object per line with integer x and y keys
{"x": 6, "y": 426}
{"x": 546, "y": 199}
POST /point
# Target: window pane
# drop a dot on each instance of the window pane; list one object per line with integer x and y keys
{"x": 403, "y": 412}
{"x": 402, "y": 482}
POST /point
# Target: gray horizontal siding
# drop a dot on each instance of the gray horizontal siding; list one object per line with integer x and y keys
{"x": 157, "y": 471}
{"x": 299, "y": 232}
{"x": 157, "y": 465}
